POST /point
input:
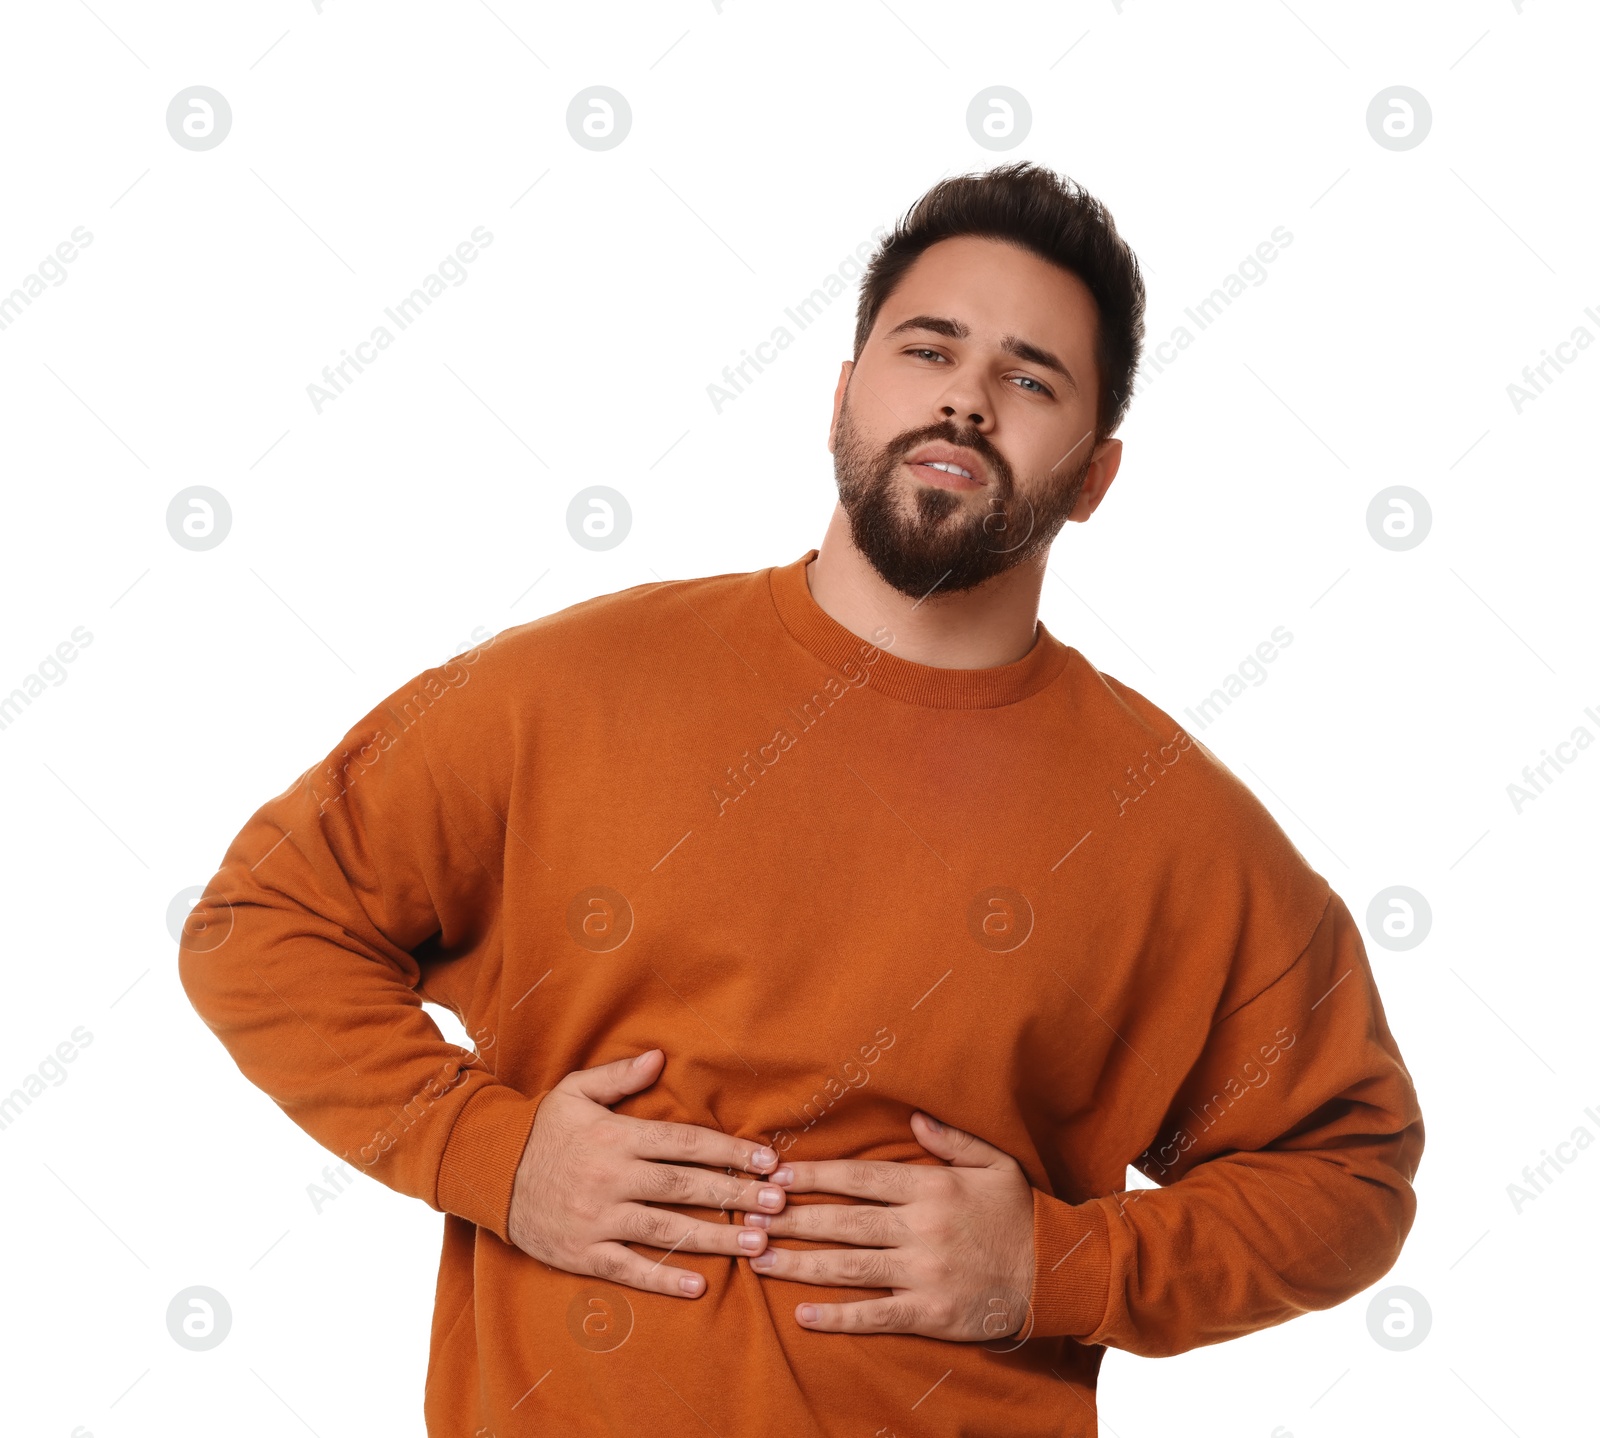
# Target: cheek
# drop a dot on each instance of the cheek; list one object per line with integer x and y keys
{"x": 893, "y": 405}
{"x": 864, "y": 438}
{"x": 1062, "y": 451}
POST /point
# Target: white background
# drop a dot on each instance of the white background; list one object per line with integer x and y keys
{"x": 368, "y": 542}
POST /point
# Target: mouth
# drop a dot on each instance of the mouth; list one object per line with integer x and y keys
{"x": 947, "y": 467}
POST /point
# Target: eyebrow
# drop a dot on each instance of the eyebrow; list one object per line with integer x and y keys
{"x": 1011, "y": 344}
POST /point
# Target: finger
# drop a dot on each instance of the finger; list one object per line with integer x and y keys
{"x": 856, "y": 1178}
{"x": 673, "y": 1233}
{"x": 612, "y": 1082}
{"x": 658, "y": 1138}
{"x": 899, "y": 1314}
{"x": 620, "y": 1264}
{"x": 834, "y": 1267}
{"x": 699, "y": 1188}
{"x": 865, "y": 1224}
{"x": 956, "y": 1145}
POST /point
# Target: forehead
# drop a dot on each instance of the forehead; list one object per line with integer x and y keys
{"x": 997, "y": 288}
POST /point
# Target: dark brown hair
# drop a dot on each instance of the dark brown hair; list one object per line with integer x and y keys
{"x": 1057, "y": 220}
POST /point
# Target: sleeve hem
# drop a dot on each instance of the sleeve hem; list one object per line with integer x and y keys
{"x": 1071, "y": 1267}
{"x": 478, "y": 1168}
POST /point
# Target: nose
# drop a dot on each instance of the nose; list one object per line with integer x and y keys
{"x": 974, "y": 419}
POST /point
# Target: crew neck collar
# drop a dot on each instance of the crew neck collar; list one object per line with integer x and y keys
{"x": 929, "y": 685}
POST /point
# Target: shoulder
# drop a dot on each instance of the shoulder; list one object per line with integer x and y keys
{"x": 1222, "y": 859}
{"x": 594, "y": 633}
{"x": 571, "y": 651}
{"x": 1151, "y": 743}
{"x": 488, "y": 701}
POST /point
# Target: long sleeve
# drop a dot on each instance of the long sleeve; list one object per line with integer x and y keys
{"x": 1284, "y": 1161}
{"x": 333, "y": 905}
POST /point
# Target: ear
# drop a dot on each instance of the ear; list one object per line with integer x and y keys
{"x": 1102, "y": 470}
{"x": 838, "y": 399}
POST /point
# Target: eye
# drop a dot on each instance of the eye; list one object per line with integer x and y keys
{"x": 919, "y": 351}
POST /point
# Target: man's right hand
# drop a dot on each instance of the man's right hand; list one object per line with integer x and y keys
{"x": 588, "y": 1176}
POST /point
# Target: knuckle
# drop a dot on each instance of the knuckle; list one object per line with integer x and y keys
{"x": 869, "y": 1267}
{"x": 655, "y": 1132}
{"x": 585, "y": 1206}
{"x": 606, "y": 1136}
{"x": 663, "y": 1182}
{"x": 859, "y": 1174}
{"x": 899, "y": 1314}
{"x": 643, "y": 1225}
{"x": 609, "y": 1265}
{"x": 859, "y": 1222}
{"x": 899, "y": 1181}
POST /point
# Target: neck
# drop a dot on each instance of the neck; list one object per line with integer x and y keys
{"x": 992, "y": 624}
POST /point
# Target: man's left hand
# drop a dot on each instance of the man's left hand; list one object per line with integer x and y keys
{"x": 955, "y": 1244}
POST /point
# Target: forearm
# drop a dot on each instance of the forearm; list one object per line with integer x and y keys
{"x": 1240, "y": 1244}
{"x": 299, "y": 957}
{"x": 1288, "y": 1191}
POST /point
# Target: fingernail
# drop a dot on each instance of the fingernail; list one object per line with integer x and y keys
{"x": 758, "y": 1220}
{"x": 643, "y": 1058}
{"x": 933, "y": 1123}
{"x": 690, "y": 1283}
{"x": 751, "y": 1240}
{"x": 763, "y": 1158}
{"x": 806, "y": 1313}
{"x": 770, "y": 1197}
{"x": 763, "y": 1261}
{"x": 784, "y": 1176}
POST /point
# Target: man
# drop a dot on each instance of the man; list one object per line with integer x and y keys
{"x": 833, "y": 938}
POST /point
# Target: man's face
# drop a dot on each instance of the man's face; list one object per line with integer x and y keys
{"x": 983, "y": 357}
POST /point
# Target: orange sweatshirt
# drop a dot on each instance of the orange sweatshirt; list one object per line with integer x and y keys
{"x": 834, "y": 886}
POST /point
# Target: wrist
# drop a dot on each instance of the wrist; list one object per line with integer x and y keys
{"x": 478, "y": 1168}
{"x": 1071, "y": 1270}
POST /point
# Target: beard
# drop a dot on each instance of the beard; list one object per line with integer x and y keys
{"x": 920, "y": 538}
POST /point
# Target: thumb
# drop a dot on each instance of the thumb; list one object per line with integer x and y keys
{"x": 956, "y": 1145}
{"x": 609, "y": 1083}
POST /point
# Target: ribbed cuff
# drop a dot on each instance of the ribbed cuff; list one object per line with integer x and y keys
{"x": 479, "y": 1166}
{"x": 1071, "y": 1267}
